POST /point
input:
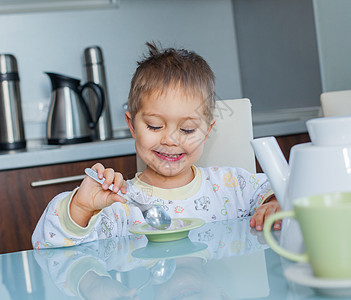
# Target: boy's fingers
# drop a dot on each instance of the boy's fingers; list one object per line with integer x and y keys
{"x": 109, "y": 178}
{"x": 99, "y": 169}
{"x": 259, "y": 218}
{"x": 277, "y": 224}
{"x": 261, "y": 214}
{"x": 112, "y": 198}
{"x": 252, "y": 222}
{"x": 270, "y": 211}
{"x": 109, "y": 175}
{"x": 118, "y": 182}
{"x": 124, "y": 187}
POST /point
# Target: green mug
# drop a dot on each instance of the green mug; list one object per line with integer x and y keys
{"x": 325, "y": 223}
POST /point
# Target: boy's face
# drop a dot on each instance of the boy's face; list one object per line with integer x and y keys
{"x": 170, "y": 131}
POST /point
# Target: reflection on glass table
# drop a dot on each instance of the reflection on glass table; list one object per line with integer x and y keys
{"x": 220, "y": 260}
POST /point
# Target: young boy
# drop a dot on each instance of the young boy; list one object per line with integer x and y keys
{"x": 170, "y": 114}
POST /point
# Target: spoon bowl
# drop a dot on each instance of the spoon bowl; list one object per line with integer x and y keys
{"x": 154, "y": 215}
{"x": 160, "y": 273}
{"x": 157, "y": 217}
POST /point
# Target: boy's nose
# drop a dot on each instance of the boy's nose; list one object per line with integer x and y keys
{"x": 170, "y": 137}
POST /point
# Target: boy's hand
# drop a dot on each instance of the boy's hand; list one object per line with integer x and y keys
{"x": 263, "y": 212}
{"x": 92, "y": 196}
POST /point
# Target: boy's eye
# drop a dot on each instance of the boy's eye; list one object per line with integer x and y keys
{"x": 153, "y": 127}
{"x": 187, "y": 131}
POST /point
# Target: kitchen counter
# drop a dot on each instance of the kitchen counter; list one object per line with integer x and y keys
{"x": 38, "y": 153}
{"x": 282, "y": 122}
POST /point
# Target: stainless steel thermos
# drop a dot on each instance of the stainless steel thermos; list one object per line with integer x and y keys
{"x": 95, "y": 72}
{"x": 11, "y": 120}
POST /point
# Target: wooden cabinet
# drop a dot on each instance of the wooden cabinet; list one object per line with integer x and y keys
{"x": 286, "y": 142}
{"x": 21, "y": 205}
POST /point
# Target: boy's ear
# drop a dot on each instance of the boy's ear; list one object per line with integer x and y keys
{"x": 210, "y": 128}
{"x": 129, "y": 121}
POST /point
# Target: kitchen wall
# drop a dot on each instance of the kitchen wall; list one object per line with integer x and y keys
{"x": 54, "y": 41}
{"x": 278, "y": 53}
{"x": 240, "y": 39}
{"x": 333, "y": 24}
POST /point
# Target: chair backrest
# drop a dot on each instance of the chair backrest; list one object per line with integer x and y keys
{"x": 229, "y": 141}
{"x": 337, "y": 103}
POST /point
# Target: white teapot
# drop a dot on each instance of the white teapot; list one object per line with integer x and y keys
{"x": 322, "y": 166}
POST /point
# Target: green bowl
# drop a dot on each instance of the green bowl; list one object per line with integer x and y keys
{"x": 173, "y": 233}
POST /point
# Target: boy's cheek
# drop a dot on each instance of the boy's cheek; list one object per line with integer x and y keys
{"x": 196, "y": 142}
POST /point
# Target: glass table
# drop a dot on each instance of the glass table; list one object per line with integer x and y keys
{"x": 220, "y": 260}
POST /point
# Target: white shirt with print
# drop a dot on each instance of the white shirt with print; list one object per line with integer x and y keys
{"x": 216, "y": 193}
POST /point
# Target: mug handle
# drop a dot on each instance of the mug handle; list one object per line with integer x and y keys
{"x": 273, "y": 243}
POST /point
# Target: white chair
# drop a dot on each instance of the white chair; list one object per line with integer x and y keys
{"x": 337, "y": 103}
{"x": 229, "y": 141}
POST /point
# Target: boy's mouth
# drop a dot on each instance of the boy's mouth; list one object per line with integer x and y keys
{"x": 169, "y": 157}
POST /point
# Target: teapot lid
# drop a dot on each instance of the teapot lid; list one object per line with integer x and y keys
{"x": 330, "y": 131}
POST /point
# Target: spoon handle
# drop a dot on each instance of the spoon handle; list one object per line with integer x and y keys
{"x": 92, "y": 174}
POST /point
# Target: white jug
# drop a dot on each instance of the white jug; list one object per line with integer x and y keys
{"x": 322, "y": 166}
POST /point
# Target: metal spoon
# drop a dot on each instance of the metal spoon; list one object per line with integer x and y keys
{"x": 154, "y": 215}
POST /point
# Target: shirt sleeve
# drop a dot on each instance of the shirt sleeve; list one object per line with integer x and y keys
{"x": 66, "y": 220}
{"x": 56, "y": 228}
{"x": 255, "y": 187}
{"x": 267, "y": 197}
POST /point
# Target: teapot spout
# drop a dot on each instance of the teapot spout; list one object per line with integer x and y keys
{"x": 273, "y": 164}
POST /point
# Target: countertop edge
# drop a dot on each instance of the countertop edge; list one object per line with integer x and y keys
{"x": 67, "y": 154}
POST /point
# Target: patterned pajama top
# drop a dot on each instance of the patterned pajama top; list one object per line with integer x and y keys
{"x": 215, "y": 194}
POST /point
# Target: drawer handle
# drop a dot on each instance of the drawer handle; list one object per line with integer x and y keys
{"x": 57, "y": 180}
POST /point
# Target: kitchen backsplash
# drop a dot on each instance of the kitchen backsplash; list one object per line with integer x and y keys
{"x": 55, "y": 41}
{"x": 34, "y": 117}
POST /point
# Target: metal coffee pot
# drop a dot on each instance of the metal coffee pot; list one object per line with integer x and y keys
{"x": 322, "y": 166}
{"x": 69, "y": 119}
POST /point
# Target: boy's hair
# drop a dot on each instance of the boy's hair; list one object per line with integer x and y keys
{"x": 168, "y": 68}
